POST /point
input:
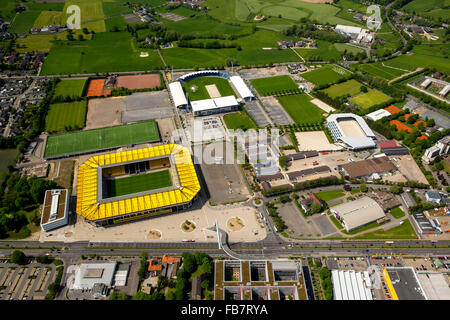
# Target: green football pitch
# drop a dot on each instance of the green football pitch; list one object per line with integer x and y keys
{"x": 139, "y": 183}
{"x": 100, "y": 139}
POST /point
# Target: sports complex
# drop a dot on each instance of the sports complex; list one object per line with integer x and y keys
{"x": 129, "y": 185}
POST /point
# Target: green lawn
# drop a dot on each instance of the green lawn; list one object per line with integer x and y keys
{"x": 139, "y": 183}
{"x": 336, "y": 222}
{"x": 66, "y": 116}
{"x": 106, "y": 52}
{"x": 301, "y": 110}
{"x": 8, "y": 157}
{"x": 342, "y": 47}
{"x": 325, "y": 52}
{"x": 397, "y": 213}
{"x": 363, "y": 228}
{"x": 239, "y": 120}
{"x": 328, "y": 74}
{"x": 382, "y": 71}
{"x": 404, "y": 231}
{"x": 350, "y": 87}
{"x": 330, "y": 195}
{"x": 268, "y": 86}
{"x": 24, "y": 21}
{"x": 70, "y": 88}
{"x": 196, "y": 87}
{"x": 368, "y": 99}
{"x": 100, "y": 139}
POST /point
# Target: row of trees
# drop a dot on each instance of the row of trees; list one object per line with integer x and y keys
{"x": 307, "y": 29}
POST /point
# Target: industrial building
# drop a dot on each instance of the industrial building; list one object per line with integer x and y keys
{"x": 426, "y": 225}
{"x": 351, "y": 131}
{"x": 403, "y": 284}
{"x": 242, "y": 89}
{"x": 357, "y": 213}
{"x": 355, "y": 34}
{"x": 435, "y": 286}
{"x": 371, "y": 168}
{"x": 87, "y": 275}
{"x": 391, "y": 148}
{"x": 351, "y": 285}
{"x": 208, "y": 107}
{"x": 55, "y": 210}
{"x": 96, "y": 209}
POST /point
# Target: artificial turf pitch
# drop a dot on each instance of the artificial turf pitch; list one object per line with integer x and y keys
{"x": 101, "y": 139}
{"x": 139, "y": 183}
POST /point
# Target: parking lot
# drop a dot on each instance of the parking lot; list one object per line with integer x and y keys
{"x": 255, "y": 111}
{"x": 27, "y": 282}
{"x": 276, "y": 111}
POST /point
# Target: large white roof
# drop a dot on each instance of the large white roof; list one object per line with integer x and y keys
{"x": 352, "y": 142}
{"x": 241, "y": 87}
{"x": 377, "y": 115}
{"x": 359, "y": 212}
{"x": 86, "y": 275}
{"x": 349, "y": 285}
{"x": 348, "y": 29}
{"x": 177, "y": 92}
{"x": 216, "y": 103}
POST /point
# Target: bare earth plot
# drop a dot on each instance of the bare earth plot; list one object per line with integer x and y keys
{"x": 147, "y": 105}
{"x": 263, "y": 72}
{"x": 254, "y": 109}
{"x": 322, "y": 105}
{"x": 351, "y": 128}
{"x": 314, "y": 140}
{"x": 409, "y": 168}
{"x": 213, "y": 91}
{"x": 144, "y": 81}
{"x": 104, "y": 113}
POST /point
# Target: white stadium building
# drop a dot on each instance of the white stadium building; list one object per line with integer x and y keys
{"x": 212, "y": 106}
{"x": 351, "y": 131}
{"x": 377, "y": 115}
{"x": 242, "y": 88}
{"x": 178, "y": 95}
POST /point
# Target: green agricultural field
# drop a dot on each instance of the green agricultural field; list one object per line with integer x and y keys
{"x": 373, "y": 97}
{"x": 326, "y": 51}
{"x": 106, "y": 52}
{"x": 25, "y": 21}
{"x": 100, "y": 139}
{"x": 379, "y": 70}
{"x": 66, "y": 116}
{"x": 350, "y": 87}
{"x": 115, "y": 7}
{"x": 7, "y": 9}
{"x": 342, "y": 47}
{"x": 48, "y": 18}
{"x": 91, "y": 10}
{"x": 271, "y": 85}
{"x": 417, "y": 60}
{"x": 301, "y": 110}
{"x": 138, "y": 183}
{"x": 196, "y": 90}
{"x": 239, "y": 120}
{"x": 330, "y": 195}
{"x": 70, "y": 88}
{"x": 328, "y": 74}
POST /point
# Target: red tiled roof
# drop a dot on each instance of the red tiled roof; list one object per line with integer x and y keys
{"x": 152, "y": 266}
{"x": 168, "y": 259}
{"x": 387, "y": 144}
{"x": 422, "y": 137}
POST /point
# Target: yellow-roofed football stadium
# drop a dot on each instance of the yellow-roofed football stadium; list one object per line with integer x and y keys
{"x": 124, "y": 186}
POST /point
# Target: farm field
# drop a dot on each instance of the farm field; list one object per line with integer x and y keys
{"x": 196, "y": 87}
{"x": 328, "y": 74}
{"x": 70, "y": 88}
{"x": 24, "y": 21}
{"x": 416, "y": 60}
{"x": 239, "y": 120}
{"x": 92, "y": 10}
{"x": 7, "y": 8}
{"x": 300, "y": 108}
{"x": 368, "y": 99}
{"x": 341, "y": 47}
{"x": 350, "y": 87}
{"x": 63, "y": 116}
{"x": 378, "y": 70}
{"x": 268, "y": 86}
{"x": 139, "y": 183}
{"x": 325, "y": 52}
{"x": 92, "y": 56}
{"x": 48, "y": 18}
{"x": 100, "y": 139}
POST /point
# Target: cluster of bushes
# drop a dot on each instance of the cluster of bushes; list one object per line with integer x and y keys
{"x": 279, "y": 223}
{"x": 143, "y": 267}
{"x": 307, "y": 29}
{"x": 214, "y": 44}
{"x": 327, "y": 286}
{"x": 328, "y": 181}
{"x": 55, "y": 286}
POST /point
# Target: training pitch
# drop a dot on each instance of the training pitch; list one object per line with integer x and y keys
{"x": 100, "y": 139}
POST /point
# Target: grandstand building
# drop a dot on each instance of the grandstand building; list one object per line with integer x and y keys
{"x": 129, "y": 185}
{"x": 351, "y": 131}
{"x": 208, "y": 107}
{"x": 177, "y": 93}
{"x": 241, "y": 88}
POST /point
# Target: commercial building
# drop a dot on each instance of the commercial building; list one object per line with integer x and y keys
{"x": 177, "y": 94}
{"x": 426, "y": 225}
{"x": 351, "y": 131}
{"x": 377, "y": 115}
{"x": 367, "y": 168}
{"x": 357, "y": 213}
{"x": 351, "y": 285}
{"x": 440, "y": 148}
{"x": 94, "y": 174}
{"x": 89, "y": 274}
{"x": 435, "y": 286}
{"x": 403, "y": 284}
{"x": 55, "y": 210}
{"x": 243, "y": 90}
{"x": 295, "y": 175}
{"x": 213, "y": 106}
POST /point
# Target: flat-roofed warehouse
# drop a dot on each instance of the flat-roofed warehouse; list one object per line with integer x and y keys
{"x": 55, "y": 210}
{"x": 357, "y": 213}
{"x": 351, "y": 285}
{"x": 403, "y": 283}
{"x": 88, "y": 274}
{"x": 435, "y": 286}
{"x": 177, "y": 191}
{"x": 365, "y": 168}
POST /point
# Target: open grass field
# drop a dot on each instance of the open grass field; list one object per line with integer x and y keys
{"x": 300, "y": 108}
{"x": 416, "y": 60}
{"x": 378, "y": 70}
{"x": 91, "y": 14}
{"x": 196, "y": 87}
{"x": 268, "y": 86}
{"x": 368, "y": 99}
{"x": 48, "y": 18}
{"x": 397, "y": 213}
{"x": 404, "y": 231}
{"x": 115, "y": 7}
{"x": 325, "y": 52}
{"x": 63, "y": 116}
{"x": 350, "y": 87}
{"x": 70, "y": 88}
{"x": 106, "y": 52}
{"x": 341, "y": 47}
{"x": 7, "y": 9}
{"x": 330, "y": 195}
{"x": 25, "y": 20}
{"x": 100, "y": 139}
{"x": 139, "y": 183}
{"x": 432, "y": 8}
{"x": 239, "y": 120}
{"x": 328, "y": 74}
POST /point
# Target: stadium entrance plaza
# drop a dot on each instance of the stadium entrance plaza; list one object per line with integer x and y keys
{"x": 170, "y": 227}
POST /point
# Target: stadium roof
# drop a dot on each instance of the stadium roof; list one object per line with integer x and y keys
{"x": 351, "y": 142}
{"x": 377, "y": 115}
{"x": 217, "y": 103}
{"x": 90, "y": 207}
{"x": 177, "y": 92}
{"x": 358, "y": 212}
{"x": 241, "y": 87}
